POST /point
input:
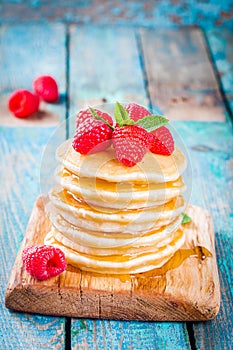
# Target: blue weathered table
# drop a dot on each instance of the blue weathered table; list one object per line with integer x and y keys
{"x": 185, "y": 73}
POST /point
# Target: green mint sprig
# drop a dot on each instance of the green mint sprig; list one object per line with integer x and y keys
{"x": 150, "y": 122}
{"x": 98, "y": 117}
{"x": 122, "y": 116}
{"x": 186, "y": 219}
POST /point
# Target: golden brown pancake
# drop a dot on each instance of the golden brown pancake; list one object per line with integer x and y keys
{"x": 109, "y": 218}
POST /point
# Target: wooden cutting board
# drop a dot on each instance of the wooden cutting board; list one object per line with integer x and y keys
{"x": 186, "y": 288}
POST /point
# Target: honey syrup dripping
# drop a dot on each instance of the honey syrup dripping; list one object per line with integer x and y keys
{"x": 175, "y": 261}
{"x": 77, "y": 202}
{"x": 124, "y": 186}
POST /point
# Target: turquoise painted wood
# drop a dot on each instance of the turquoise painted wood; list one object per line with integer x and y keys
{"x": 20, "y": 159}
{"x": 221, "y": 47}
{"x": 104, "y": 67}
{"x": 105, "y": 335}
{"x": 210, "y": 147}
{"x": 160, "y": 13}
{"x": 181, "y": 80}
{"x": 28, "y": 51}
{"x": 105, "y": 63}
{"x": 98, "y": 69}
{"x": 31, "y": 50}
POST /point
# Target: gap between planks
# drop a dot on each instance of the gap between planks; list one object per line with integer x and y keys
{"x": 181, "y": 80}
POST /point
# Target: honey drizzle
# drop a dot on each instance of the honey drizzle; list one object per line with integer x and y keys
{"x": 101, "y": 185}
{"x": 77, "y": 202}
{"x": 175, "y": 261}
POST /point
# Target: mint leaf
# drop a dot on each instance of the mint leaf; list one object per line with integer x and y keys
{"x": 152, "y": 122}
{"x": 122, "y": 116}
{"x": 98, "y": 117}
{"x": 186, "y": 219}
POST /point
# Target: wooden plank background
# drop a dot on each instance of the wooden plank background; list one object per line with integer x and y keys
{"x": 210, "y": 149}
{"x": 104, "y": 67}
{"x": 221, "y": 48}
{"x": 94, "y": 77}
{"x": 26, "y": 51}
{"x": 128, "y": 335}
{"x": 93, "y": 72}
{"x": 181, "y": 81}
{"x": 150, "y": 13}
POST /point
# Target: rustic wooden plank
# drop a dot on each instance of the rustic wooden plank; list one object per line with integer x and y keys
{"x": 91, "y": 334}
{"x": 181, "y": 80}
{"x": 158, "y": 14}
{"x": 28, "y": 51}
{"x": 177, "y": 328}
{"x": 221, "y": 47}
{"x": 20, "y": 158}
{"x": 211, "y": 152}
{"x": 93, "y": 74}
{"x": 104, "y": 67}
{"x": 177, "y": 293}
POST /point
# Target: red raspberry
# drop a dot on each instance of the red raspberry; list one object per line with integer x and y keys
{"x": 85, "y": 114}
{"x": 22, "y": 103}
{"x": 136, "y": 111}
{"x": 92, "y": 136}
{"x": 162, "y": 141}
{"x": 46, "y": 87}
{"x": 130, "y": 143}
{"x": 43, "y": 261}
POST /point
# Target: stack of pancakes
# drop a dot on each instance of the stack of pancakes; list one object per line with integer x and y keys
{"x": 109, "y": 218}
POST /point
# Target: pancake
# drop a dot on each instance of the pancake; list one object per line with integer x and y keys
{"x": 109, "y": 218}
{"x": 107, "y": 242}
{"x": 120, "y": 264}
{"x": 98, "y": 192}
{"x": 104, "y": 165}
{"x": 95, "y": 218}
{"x": 134, "y": 249}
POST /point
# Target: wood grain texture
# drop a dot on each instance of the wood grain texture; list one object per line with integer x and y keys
{"x": 20, "y": 157}
{"x": 92, "y": 334}
{"x": 181, "y": 81}
{"x": 211, "y": 153}
{"x": 104, "y": 67}
{"x": 158, "y": 14}
{"x": 187, "y": 292}
{"x": 210, "y": 149}
{"x": 221, "y": 47}
{"x": 28, "y": 51}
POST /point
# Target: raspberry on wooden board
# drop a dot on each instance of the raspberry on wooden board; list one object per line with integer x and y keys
{"x": 43, "y": 261}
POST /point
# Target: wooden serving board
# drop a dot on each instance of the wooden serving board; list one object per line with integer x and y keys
{"x": 186, "y": 288}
